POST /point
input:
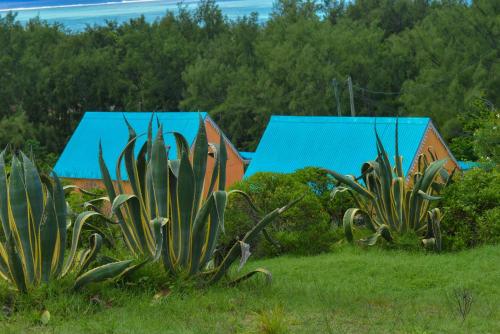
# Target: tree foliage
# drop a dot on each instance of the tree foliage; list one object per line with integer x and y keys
{"x": 431, "y": 58}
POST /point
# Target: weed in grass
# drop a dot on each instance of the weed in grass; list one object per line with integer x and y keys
{"x": 462, "y": 299}
{"x": 273, "y": 321}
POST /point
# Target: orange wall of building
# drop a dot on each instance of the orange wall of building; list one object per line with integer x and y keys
{"x": 433, "y": 141}
{"x": 88, "y": 184}
{"x": 235, "y": 167}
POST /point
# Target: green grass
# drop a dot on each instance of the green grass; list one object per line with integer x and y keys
{"x": 349, "y": 291}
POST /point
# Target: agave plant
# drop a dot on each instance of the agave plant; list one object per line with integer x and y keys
{"x": 389, "y": 203}
{"x": 34, "y": 217}
{"x": 175, "y": 210}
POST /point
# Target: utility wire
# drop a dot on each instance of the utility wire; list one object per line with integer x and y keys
{"x": 375, "y": 92}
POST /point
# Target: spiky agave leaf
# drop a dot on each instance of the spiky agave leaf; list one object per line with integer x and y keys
{"x": 102, "y": 273}
{"x": 235, "y": 251}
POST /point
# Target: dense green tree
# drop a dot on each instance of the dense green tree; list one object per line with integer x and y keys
{"x": 487, "y": 137}
{"x": 406, "y": 57}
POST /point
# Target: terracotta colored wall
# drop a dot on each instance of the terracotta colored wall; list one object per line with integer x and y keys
{"x": 94, "y": 183}
{"x": 235, "y": 167}
{"x": 432, "y": 140}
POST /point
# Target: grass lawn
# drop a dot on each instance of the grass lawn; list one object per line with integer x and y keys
{"x": 349, "y": 291}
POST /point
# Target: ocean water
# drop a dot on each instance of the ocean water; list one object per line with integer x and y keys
{"x": 76, "y": 15}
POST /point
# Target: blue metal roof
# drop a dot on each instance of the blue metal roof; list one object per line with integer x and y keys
{"x": 342, "y": 144}
{"x": 467, "y": 165}
{"x": 80, "y": 156}
{"x": 247, "y": 155}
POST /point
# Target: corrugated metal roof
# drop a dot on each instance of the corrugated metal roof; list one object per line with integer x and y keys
{"x": 467, "y": 165}
{"x": 247, "y": 155}
{"x": 342, "y": 144}
{"x": 80, "y": 156}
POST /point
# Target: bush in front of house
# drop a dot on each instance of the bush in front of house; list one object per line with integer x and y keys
{"x": 308, "y": 228}
{"x": 471, "y": 208}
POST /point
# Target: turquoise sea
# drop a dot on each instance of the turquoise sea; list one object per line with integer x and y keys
{"x": 77, "y": 14}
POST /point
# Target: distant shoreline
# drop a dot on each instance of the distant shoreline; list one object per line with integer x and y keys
{"x": 76, "y": 5}
{"x": 77, "y": 17}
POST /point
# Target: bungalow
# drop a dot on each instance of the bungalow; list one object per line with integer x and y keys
{"x": 343, "y": 144}
{"x": 79, "y": 161}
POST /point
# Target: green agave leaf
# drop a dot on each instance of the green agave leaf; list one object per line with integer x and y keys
{"x": 77, "y": 228}
{"x": 435, "y": 217}
{"x": 4, "y": 266}
{"x": 423, "y": 184}
{"x": 140, "y": 232}
{"x": 182, "y": 145}
{"x": 61, "y": 208}
{"x": 430, "y": 174}
{"x": 128, "y": 156}
{"x": 149, "y": 142}
{"x": 4, "y": 208}
{"x": 18, "y": 202}
{"x": 348, "y": 223}
{"x": 249, "y": 201}
{"x": 371, "y": 240}
{"x": 351, "y": 183}
{"x": 213, "y": 231}
{"x": 174, "y": 230}
{"x": 200, "y": 158}
{"x": 338, "y": 190}
{"x": 160, "y": 177}
{"x": 245, "y": 196}
{"x": 168, "y": 251}
{"x": 131, "y": 269}
{"x": 16, "y": 266}
{"x": 106, "y": 177}
{"x": 267, "y": 274}
{"x": 428, "y": 197}
{"x": 383, "y": 232}
{"x": 185, "y": 199}
{"x": 48, "y": 236}
{"x": 174, "y": 167}
{"x": 222, "y": 163}
{"x": 97, "y": 201}
{"x": 157, "y": 225}
{"x": 106, "y": 237}
{"x": 142, "y": 163}
{"x": 102, "y": 273}
{"x": 398, "y": 158}
{"x": 71, "y": 187}
{"x": 220, "y": 200}
{"x": 235, "y": 251}
{"x": 34, "y": 190}
{"x": 217, "y": 165}
{"x": 199, "y": 232}
{"x": 95, "y": 242}
{"x": 398, "y": 200}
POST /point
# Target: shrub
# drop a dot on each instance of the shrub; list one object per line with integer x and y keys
{"x": 322, "y": 185}
{"x": 472, "y": 210}
{"x": 304, "y": 229}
